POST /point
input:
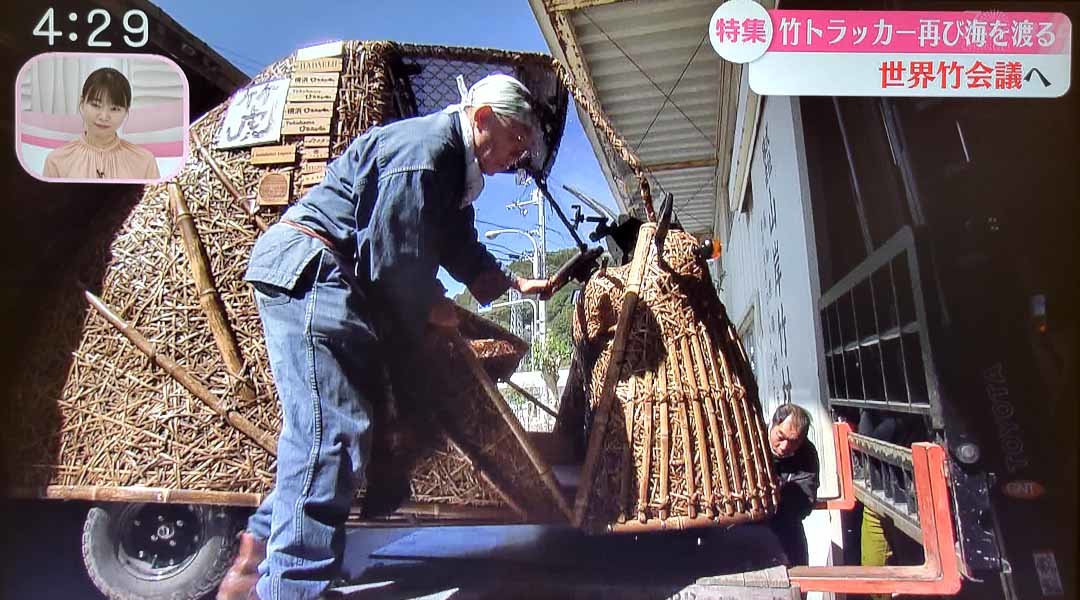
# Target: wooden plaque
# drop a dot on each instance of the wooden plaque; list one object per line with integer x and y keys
{"x": 309, "y": 109}
{"x": 315, "y": 80}
{"x": 312, "y": 178}
{"x": 313, "y": 167}
{"x": 316, "y": 141}
{"x": 274, "y": 189}
{"x": 273, "y": 155}
{"x": 305, "y": 125}
{"x": 316, "y": 153}
{"x": 317, "y": 65}
{"x": 311, "y": 94}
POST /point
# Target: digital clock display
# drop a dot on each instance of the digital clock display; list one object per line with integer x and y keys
{"x": 95, "y": 27}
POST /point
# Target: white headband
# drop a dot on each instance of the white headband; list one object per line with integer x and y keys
{"x": 504, "y": 94}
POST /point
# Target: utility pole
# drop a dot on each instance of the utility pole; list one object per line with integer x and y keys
{"x": 541, "y": 314}
{"x": 539, "y": 254}
{"x": 539, "y": 242}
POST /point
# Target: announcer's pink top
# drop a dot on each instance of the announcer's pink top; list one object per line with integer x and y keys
{"x": 77, "y": 159}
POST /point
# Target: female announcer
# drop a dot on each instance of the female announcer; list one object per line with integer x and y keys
{"x": 99, "y": 153}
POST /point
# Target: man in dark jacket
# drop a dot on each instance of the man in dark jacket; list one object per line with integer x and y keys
{"x": 359, "y": 250}
{"x": 795, "y": 460}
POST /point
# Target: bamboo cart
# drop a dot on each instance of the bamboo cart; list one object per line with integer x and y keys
{"x": 147, "y": 389}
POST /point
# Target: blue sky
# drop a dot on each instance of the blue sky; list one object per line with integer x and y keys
{"x": 252, "y": 34}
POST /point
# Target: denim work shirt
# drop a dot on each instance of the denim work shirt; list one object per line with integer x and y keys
{"x": 392, "y": 206}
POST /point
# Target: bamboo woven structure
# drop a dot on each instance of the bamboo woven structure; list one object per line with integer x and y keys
{"x": 677, "y": 438}
{"x": 148, "y": 378}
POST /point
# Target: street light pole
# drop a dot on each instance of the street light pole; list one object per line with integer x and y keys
{"x": 540, "y": 328}
{"x": 541, "y": 314}
{"x": 539, "y": 270}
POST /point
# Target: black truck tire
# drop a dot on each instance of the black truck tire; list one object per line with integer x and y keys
{"x": 149, "y": 551}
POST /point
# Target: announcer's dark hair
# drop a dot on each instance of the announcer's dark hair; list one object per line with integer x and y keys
{"x": 799, "y": 417}
{"x": 107, "y": 84}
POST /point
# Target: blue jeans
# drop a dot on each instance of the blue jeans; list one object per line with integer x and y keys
{"x": 324, "y": 358}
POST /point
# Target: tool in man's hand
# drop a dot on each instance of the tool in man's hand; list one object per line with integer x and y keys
{"x": 579, "y": 268}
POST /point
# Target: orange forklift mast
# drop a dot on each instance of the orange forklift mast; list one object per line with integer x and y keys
{"x": 924, "y": 465}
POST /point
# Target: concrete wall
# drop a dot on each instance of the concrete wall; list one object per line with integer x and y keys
{"x": 770, "y": 286}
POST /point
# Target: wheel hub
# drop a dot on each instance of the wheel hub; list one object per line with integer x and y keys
{"x": 159, "y": 540}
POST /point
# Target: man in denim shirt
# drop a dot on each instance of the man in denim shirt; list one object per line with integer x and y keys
{"x": 367, "y": 241}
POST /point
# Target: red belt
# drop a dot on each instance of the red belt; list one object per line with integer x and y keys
{"x": 304, "y": 229}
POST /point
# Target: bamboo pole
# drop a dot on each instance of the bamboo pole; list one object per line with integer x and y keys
{"x": 209, "y": 297}
{"x": 721, "y": 362}
{"x": 533, "y": 399}
{"x": 645, "y": 474}
{"x": 628, "y": 453}
{"x": 773, "y": 483}
{"x": 733, "y": 366}
{"x": 94, "y": 493}
{"x": 758, "y": 419}
{"x": 759, "y": 451}
{"x": 614, "y": 370}
{"x": 665, "y": 441}
{"x": 678, "y": 523}
{"x": 692, "y": 377}
{"x": 492, "y": 391}
{"x": 720, "y": 442}
{"x": 756, "y": 478}
{"x": 224, "y": 179}
{"x": 763, "y": 457}
{"x": 449, "y": 511}
{"x": 481, "y": 467}
{"x": 684, "y": 421}
{"x": 184, "y": 377}
{"x": 727, "y": 418}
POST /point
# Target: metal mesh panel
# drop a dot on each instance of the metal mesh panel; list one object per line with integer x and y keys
{"x": 876, "y": 349}
{"x": 434, "y": 80}
{"x": 431, "y": 73}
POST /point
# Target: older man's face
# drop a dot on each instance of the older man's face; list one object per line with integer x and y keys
{"x": 499, "y": 142}
{"x": 784, "y": 439}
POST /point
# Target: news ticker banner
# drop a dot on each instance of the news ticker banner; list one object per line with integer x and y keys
{"x": 896, "y": 53}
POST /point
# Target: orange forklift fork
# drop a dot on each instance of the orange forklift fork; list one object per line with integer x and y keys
{"x": 940, "y": 572}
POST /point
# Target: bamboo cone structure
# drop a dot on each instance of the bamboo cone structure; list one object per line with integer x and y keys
{"x": 674, "y": 371}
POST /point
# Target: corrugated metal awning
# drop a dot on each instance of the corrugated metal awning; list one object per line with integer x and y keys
{"x": 652, "y": 70}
